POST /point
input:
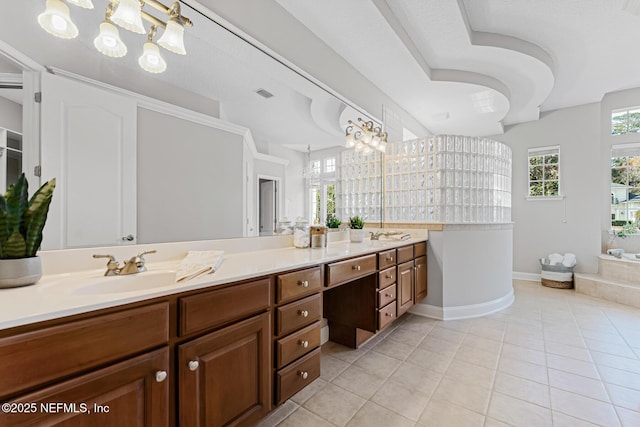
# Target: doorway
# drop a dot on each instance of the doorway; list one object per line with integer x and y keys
{"x": 268, "y": 204}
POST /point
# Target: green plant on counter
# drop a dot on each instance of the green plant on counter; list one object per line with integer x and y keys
{"x": 356, "y": 223}
{"x": 22, "y": 219}
{"x": 332, "y": 221}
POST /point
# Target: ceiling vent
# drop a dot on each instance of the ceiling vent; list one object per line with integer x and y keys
{"x": 264, "y": 93}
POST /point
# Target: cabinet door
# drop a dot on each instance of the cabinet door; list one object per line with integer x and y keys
{"x": 421, "y": 278}
{"x": 224, "y": 377}
{"x": 405, "y": 287}
{"x": 132, "y": 393}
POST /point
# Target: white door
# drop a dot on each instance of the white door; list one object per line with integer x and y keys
{"x": 268, "y": 205}
{"x": 88, "y": 143}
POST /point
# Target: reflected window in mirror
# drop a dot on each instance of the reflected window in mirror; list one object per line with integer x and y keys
{"x": 10, "y": 158}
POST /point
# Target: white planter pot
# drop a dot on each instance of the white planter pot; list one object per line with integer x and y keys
{"x": 20, "y": 272}
{"x": 356, "y": 235}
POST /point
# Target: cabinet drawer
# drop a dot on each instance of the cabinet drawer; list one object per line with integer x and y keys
{"x": 297, "y": 344}
{"x": 299, "y": 283}
{"x": 33, "y": 358}
{"x": 420, "y": 249}
{"x": 386, "y": 259}
{"x": 386, "y": 315}
{"x": 215, "y": 308}
{"x": 294, "y": 378}
{"x": 386, "y": 277}
{"x": 386, "y": 295}
{"x": 344, "y": 271}
{"x": 298, "y": 314}
{"x": 405, "y": 254}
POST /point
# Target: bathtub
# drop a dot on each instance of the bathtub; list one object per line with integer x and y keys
{"x": 626, "y": 268}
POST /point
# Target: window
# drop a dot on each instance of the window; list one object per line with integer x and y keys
{"x": 544, "y": 172}
{"x": 323, "y": 202}
{"x": 330, "y": 165}
{"x": 625, "y": 121}
{"x": 625, "y": 184}
{"x": 315, "y": 167}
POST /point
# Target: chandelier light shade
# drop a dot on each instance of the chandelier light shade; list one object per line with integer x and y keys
{"x": 151, "y": 60}
{"x": 56, "y": 20}
{"x": 128, "y": 15}
{"x": 173, "y": 37}
{"x": 87, "y": 4}
{"x": 108, "y": 41}
{"x": 365, "y": 136}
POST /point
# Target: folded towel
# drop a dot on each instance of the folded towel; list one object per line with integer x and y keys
{"x": 197, "y": 263}
{"x": 555, "y": 259}
{"x": 569, "y": 260}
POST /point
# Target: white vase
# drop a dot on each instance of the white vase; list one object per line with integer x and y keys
{"x": 356, "y": 235}
{"x": 20, "y": 272}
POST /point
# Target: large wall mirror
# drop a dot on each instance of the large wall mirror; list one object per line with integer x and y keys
{"x": 186, "y": 154}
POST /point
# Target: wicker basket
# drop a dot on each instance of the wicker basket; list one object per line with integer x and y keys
{"x": 556, "y": 284}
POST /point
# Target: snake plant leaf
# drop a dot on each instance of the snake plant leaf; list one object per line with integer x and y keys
{"x": 4, "y": 234}
{"x": 36, "y": 216}
{"x": 16, "y": 247}
{"x": 16, "y": 203}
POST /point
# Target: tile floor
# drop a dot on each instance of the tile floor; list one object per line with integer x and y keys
{"x": 554, "y": 358}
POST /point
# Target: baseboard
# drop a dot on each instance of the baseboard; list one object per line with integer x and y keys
{"x": 465, "y": 311}
{"x": 532, "y": 277}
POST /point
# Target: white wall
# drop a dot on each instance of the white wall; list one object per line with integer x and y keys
{"x": 10, "y": 115}
{"x": 190, "y": 180}
{"x": 569, "y": 225}
{"x": 295, "y": 194}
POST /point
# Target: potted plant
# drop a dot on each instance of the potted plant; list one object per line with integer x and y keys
{"x": 628, "y": 229}
{"x": 333, "y": 223}
{"x": 356, "y": 224}
{"x": 21, "y": 223}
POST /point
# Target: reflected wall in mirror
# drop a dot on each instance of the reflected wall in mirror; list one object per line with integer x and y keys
{"x": 169, "y": 157}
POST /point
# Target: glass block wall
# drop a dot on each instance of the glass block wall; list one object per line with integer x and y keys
{"x": 360, "y": 186}
{"x": 449, "y": 179}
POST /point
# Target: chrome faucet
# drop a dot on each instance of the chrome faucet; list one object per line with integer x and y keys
{"x": 376, "y": 235}
{"x": 132, "y": 266}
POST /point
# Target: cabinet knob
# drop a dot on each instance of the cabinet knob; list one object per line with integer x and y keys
{"x": 303, "y": 283}
{"x": 161, "y": 376}
{"x": 389, "y": 258}
{"x": 388, "y": 276}
{"x": 388, "y": 295}
{"x": 128, "y": 238}
{"x": 388, "y": 314}
{"x": 193, "y": 365}
{"x": 303, "y": 374}
{"x": 304, "y": 313}
{"x": 356, "y": 267}
{"x": 304, "y": 343}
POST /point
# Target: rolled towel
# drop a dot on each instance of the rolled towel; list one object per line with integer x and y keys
{"x": 197, "y": 263}
{"x": 569, "y": 260}
{"x": 555, "y": 259}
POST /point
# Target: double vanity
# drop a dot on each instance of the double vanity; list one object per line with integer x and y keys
{"x": 222, "y": 349}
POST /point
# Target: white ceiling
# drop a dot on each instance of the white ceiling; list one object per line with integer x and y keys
{"x": 431, "y": 56}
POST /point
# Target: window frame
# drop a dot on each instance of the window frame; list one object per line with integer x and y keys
{"x": 544, "y": 151}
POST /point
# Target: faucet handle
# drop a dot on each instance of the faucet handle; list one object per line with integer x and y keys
{"x": 112, "y": 264}
{"x": 152, "y": 251}
{"x": 111, "y": 257}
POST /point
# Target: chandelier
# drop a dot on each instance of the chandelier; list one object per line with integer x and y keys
{"x": 126, "y": 14}
{"x": 365, "y": 137}
{"x": 310, "y": 172}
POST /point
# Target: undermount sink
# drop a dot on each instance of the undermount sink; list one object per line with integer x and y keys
{"x": 129, "y": 283}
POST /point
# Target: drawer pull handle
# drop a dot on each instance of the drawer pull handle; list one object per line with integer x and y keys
{"x": 389, "y": 258}
{"x": 303, "y": 283}
{"x": 304, "y": 343}
{"x": 303, "y": 313}
{"x": 388, "y": 295}
{"x": 388, "y": 276}
{"x": 303, "y": 374}
{"x": 161, "y": 376}
{"x": 193, "y": 365}
{"x": 356, "y": 267}
{"x": 388, "y": 314}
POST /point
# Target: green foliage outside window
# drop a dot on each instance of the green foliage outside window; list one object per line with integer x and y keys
{"x": 544, "y": 175}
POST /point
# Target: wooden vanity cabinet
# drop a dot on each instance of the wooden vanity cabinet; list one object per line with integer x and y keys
{"x": 420, "y": 279}
{"x": 406, "y": 280}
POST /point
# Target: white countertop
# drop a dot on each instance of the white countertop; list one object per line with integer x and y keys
{"x": 64, "y": 294}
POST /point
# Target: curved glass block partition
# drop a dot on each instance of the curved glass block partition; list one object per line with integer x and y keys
{"x": 444, "y": 179}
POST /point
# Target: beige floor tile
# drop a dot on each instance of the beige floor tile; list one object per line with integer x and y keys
{"x": 463, "y": 325}
{"x": 334, "y": 404}
{"x": 616, "y": 349}
{"x": 471, "y": 397}
{"x": 522, "y": 389}
{"x": 620, "y": 377}
{"x": 518, "y": 412}
{"x": 629, "y": 418}
{"x": 526, "y": 370}
{"x": 568, "y": 351}
{"x": 430, "y": 360}
{"x": 397, "y": 398}
{"x": 375, "y": 415}
{"x": 618, "y": 362}
{"x": 584, "y": 408}
{"x": 447, "y": 334}
{"x": 488, "y": 332}
{"x": 419, "y": 324}
{"x": 469, "y": 373}
{"x": 442, "y": 413}
{"x": 578, "y": 384}
{"x": 406, "y": 336}
{"x": 279, "y": 414}
{"x": 307, "y": 392}
{"x": 342, "y": 352}
{"x": 492, "y": 422}
{"x": 480, "y": 343}
{"x": 605, "y": 337}
{"x": 439, "y": 345}
{"x": 487, "y": 359}
{"x": 302, "y": 417}
{"x": 417, "y": 378}
{"x": 567, "y": 364}
{"x": 525, "y": 341}
{"x": 359, "y": 381}
{"x": 330, "y": 367}
{"x": 525, "y": 354}
{"x": 378, "y": 363}
{"x": 393, "y": 349}
{"x": 562, "y": 420}
{"x": 574, "y": 340}
{"x": 625, "y": 397}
